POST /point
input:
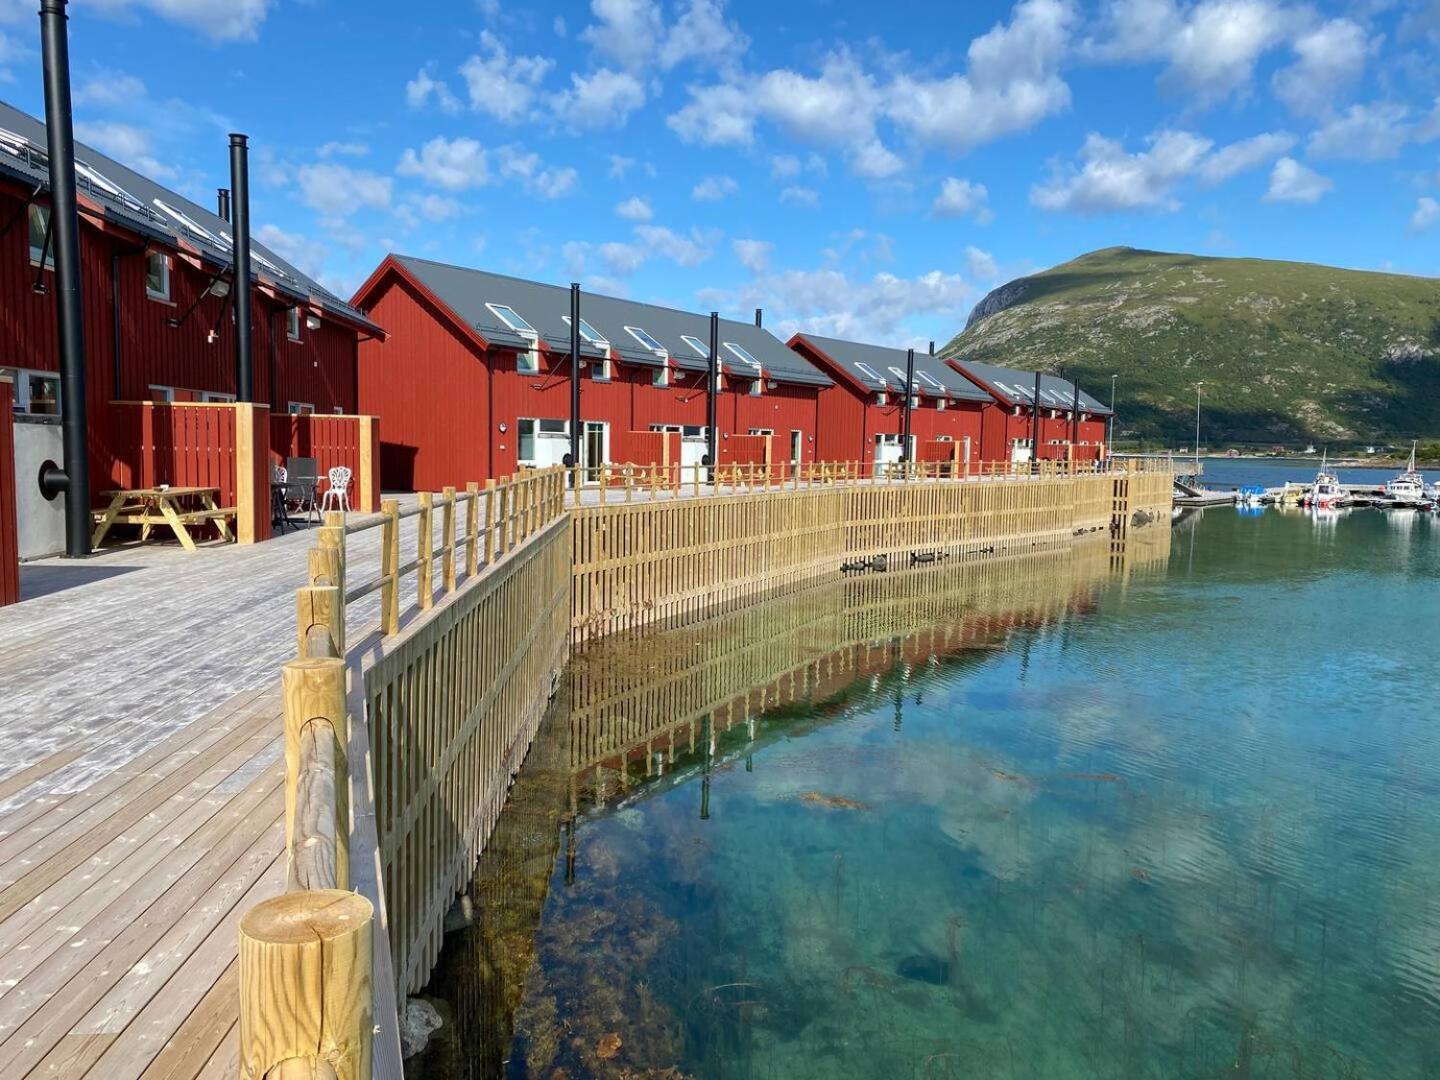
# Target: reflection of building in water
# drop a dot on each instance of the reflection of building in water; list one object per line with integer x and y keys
{"x": 661, "y": 706}
{"x": 640, "y": 700}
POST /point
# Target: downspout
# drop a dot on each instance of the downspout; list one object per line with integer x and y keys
{"x": 116, "y": 367}
{"x": 74, "y": 479}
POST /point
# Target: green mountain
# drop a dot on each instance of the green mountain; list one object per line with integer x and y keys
{"x": 1286, "y": 351}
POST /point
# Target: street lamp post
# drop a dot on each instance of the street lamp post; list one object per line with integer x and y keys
{"x": 1110, "y": 440}
{"x": 1198, "y": 385}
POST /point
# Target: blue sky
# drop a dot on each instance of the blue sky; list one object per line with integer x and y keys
{"x": 856, "y": 169}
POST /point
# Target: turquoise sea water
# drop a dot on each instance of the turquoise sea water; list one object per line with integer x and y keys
{"x": 1181, "y": 821}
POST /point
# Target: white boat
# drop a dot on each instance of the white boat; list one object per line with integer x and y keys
{"x": 1325, "y": 493}
{"x": 1408, "y": 488}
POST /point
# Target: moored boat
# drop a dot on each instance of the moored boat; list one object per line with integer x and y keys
{"x": 1408, "y": 488}
{"x": 1325, "y": 493}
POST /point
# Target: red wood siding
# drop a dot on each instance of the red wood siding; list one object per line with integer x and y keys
{"x": 331, "y": 440}
{"x": 9, "y": 533}
{"x": 179, "y": 445}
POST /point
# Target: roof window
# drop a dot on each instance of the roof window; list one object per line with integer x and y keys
{"x": 511, "y": 318}
{"x": 643, "y": 337}
{"x": 188, "y": 223}
{"x": 936, "y": 383}
{"x": 870, "y": 373}
{"x": 587, "y": 331}
{"x": 105, "y": 185}
{"x": 742, "y": 355}
{"x": 696, "y": 344}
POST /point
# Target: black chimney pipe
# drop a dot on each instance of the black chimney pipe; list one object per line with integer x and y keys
{"x": 1035, "y": 421}
{"x": 64, "y": 223}
{"x": 712, "y": 391}
{"x": 932, "y": 348}
{"x": 759, "y": 319}
{"x": 240, "y": 288}
{"x": 575, "y": 376}
{"x": 905, "y": 454}
{"x": 222, "y": 203}
{"x": 1075, "y": 413}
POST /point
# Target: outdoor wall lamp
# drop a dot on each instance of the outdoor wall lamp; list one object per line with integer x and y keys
{"x": 502, "y": 429}
{"x": 312, "y": 322}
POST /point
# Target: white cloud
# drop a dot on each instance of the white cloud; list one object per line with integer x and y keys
{"x": 126, "y": 144}
{"x": 559, "y": 27}
{"x": 754, "y": 255}
{"x": 718, "y": 115}
{"x": 432, "y": 207}
{"x": 602, "y": 99}
{"x": 454, "y": 164}
{"x": 1244, "y": 155}
{"x": 714, "y": 188}
{"x": 306, "y": 255}
{"x": 619, "y": 166}
{"x": 980, "y": 264}
{"x": 784, "y": 166}
{"x": 1427, "y": 213}
{"x": 962, "y": 198}
{"x": 1295, "y": 183}
{"x": 1363, "y": 133}
{"x": 1211, "y": 47}
{"x": 1329, "y": 60}
{"x": 1110, "y": 179}
{"x": 686, "y": 250}
{"x": 338, "y": 190}
{"x": 702, "y": 35}
{"x": 626, "y": 31}
{"x": 540, "y": 179}
{"x": 342, "y": 149}
{"x": 634, "y": 35}
{"x": 830, "y": 302}
{"x": 800, "y": 196}
{"x": 419, "y": 90}
{"x": 221, "y": 20}
{"x": 110, "y": 89}
{"x": 501, "y": 85}
{"x": 635, "y": 209}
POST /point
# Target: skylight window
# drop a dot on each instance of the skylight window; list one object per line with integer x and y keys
{"x": 266, "y": 263}
{"x": 742, "y": 355}
{"x": 900, "y": 375}
{"x": 870, "y": 373}
{"x": 511, "y": 318}
{"x": 104, "y": 184}
{"x": 23, "y": 148}
{"x": 587, "y": 331}
{"x": 643, "y": 337}
{"x": 188, "y": 223}
{"x": 936, "y": 383}
{"x": 696, "y": 344}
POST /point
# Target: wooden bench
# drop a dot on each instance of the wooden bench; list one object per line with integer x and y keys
{"x": 148, "y": 507}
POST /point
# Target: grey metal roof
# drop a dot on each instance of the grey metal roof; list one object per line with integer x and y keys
{"x": 889, "y": 365}
{"x": 467, "y": 292}
{"x": 26, "y": 159}
{"x": 1018, "y": 387}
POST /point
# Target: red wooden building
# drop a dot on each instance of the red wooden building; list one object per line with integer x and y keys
{"x": 1068, "y": 417}
{"x": 472, "y": 379}
{"x": 158, "y": 315}
{"x": 862, "y": 414}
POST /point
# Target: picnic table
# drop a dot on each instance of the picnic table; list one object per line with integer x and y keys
{"x": 172, "y": 506}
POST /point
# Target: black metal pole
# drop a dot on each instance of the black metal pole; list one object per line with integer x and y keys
{"x": 240, "y": 209}
{"x": 575, "y": 375}
{"x": 60, "y": 142}
{"x": 712, "y": 410}
{"x": 909, "y": 399}
{"x": 759, "y": 319}
{"x": 222, "y": 203}
{"x": 1035, "y": 421}
{"x": 1075, "y": 412}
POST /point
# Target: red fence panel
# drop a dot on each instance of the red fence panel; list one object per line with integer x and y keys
{"x": 181, "y": 444}
{"x": 9, "y": 531}
{"x": 332, "y": 439}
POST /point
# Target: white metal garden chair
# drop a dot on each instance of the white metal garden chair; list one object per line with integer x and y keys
{"x": 337, "y": 495}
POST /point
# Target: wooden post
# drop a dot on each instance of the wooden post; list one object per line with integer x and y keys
{"x": 448, "y": 558}
{"x": 319, "y": 621}
{"x": 425, "y": 585}
{"x": 499, "y": 525}
{"x": 252, "y": 472}
{"x": 324, "y": 566}
{"x": 333, "y": 540}
{"x": 489, "y": 522}
{"x": 369, "y": 478}
{"x": 472, "y": 529}
{"x": 317, "y": 784}
{"x": 389, "y": 564}
{"x": 306, "y": 989}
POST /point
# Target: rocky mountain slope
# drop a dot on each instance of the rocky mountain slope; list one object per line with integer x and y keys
{"x": 1286, "y": 351}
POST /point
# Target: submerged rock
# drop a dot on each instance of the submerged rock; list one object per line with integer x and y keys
{"x": 925, "y": 968}
{"x": 832, "y": 802}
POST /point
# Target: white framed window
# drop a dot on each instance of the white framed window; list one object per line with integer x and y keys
{"x": 157, "y": 275}
{"x": 941, "y": 404}
{"x": 797, "y": 442}
{"x": 701, "y": 349}
{"x": 39, "y": 220}
{"x": 511, "y": 318}
{"x": 881, "y": 397}
{"x": 936, "y": 383}
{"x": 600, "y": 370}
{"x": 216, "y": 395}
{"x": 161, "y": 393}
{"x": 743, "y": 356}
{"x": 640, "y": 334}
{"x": 588, "y": 332}
{"x": 102, "y": 183}
{"x": 527, "y": 361}
{"x": 660, "y": 377}
{"x": 762, "y": 431}
{"x": 870, "y": 373}
{"x": 301, "y": 408}
{"x": 292, "y": 323}
{"x": 528, "y": 428}
{"x": 37, "y": 393}
{"x": 757, "y": 387}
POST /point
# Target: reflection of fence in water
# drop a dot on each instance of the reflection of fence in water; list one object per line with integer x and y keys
{"x": 632, "y": 693}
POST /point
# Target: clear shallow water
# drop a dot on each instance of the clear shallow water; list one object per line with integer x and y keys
{"x": 1182, "y": 821}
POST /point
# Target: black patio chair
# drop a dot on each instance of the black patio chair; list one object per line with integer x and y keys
{"x": 302, "y": 479}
